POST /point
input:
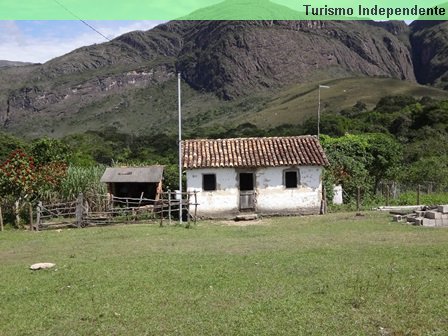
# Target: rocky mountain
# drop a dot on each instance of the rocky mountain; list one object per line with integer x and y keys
{"x": 248, "y": 56}
{"x": 4, "y": 63}
{"x": 132, "y": 78}
{"x": 429, "y": 41}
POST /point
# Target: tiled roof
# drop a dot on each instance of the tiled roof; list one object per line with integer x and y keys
{"x": 253, "y": 152}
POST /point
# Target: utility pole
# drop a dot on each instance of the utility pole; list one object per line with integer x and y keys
{"x": 318, "y": 109}
{"x": 180, "y": 146}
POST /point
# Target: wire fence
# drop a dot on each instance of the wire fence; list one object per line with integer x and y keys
{"x": 392, "y": 193}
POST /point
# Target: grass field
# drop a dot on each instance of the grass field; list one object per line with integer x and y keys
{"x": 322, "y": 275}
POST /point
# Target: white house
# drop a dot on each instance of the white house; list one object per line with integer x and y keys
{"x": 276, "y": 176}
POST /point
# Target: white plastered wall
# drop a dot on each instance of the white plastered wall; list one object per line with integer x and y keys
{"x": 272, "y": 197}
{"x": 218, "y": 203}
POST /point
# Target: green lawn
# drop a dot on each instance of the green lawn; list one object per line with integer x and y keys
{"x": 323, "y": 275}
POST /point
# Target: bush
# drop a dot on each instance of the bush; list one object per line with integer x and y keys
{"x": 410, "y": 198}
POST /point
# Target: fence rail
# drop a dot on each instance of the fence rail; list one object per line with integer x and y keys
{"x": 109, "y": 209}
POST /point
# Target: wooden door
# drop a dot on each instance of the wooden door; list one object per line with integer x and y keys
{"x": 247, "y": 191}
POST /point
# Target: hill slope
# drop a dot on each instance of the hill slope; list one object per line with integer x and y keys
{"x": 129, "y": 82}
{"x": 300, "y": 101}
{"x": 4, "y": 64}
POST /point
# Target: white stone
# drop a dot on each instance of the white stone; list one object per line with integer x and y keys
{"x": 429, "y": 222}
{"x": 433, "y": 215}
{"x": 247, "y": 217}
{"x": 442, "y": 208}
{"x": 418, "y": 221}
{"x": 397, "y": 218}
{"x": 39, "y": 266}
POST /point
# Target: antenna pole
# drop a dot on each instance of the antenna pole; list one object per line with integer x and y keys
{"x": 318, "y": 115}
{"x": 180, "y": 146}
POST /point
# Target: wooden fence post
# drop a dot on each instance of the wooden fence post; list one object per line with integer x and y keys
{"x": 162, "y": 205}
{"x": 323, "y": 203}
{"x": 387, "y": 194}
{"x": 169, "y": 206}
{"x": 17, "y": 213}
{"x": 30, "y": 208}
{"x": 195, "y": 206}
{"x": 79, "y": 210}
{"x": 188, "y": 210}
{"x": 38, "y": 214}
{"x": 358, "y": 199}
{"x": 1, "y": 219}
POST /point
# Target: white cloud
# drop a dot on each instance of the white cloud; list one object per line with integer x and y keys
{"x": 16, "y": 45}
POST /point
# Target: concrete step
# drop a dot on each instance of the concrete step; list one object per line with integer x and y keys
{"x": 246, "y": 217}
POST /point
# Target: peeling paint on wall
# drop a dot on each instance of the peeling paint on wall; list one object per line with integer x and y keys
{"x": 271, "y": 194}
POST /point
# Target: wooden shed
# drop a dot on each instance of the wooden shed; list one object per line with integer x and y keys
{"x": 134, "y": 182}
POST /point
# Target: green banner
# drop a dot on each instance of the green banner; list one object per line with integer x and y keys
{"x": 222, "y": 10}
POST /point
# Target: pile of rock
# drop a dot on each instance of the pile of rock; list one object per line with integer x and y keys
{"x": 428, "y": 216}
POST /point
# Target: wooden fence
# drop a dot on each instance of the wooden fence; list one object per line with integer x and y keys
{"x": 108, "y": 210}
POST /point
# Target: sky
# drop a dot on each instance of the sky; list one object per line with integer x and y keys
{"x": 40, "y": 41}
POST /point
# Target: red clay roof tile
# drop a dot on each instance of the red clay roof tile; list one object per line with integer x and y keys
{"x": 253, "y": 152}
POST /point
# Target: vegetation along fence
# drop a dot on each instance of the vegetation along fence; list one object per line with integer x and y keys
{"x": 108, "y": 209}
{"x": 426, "y": 193}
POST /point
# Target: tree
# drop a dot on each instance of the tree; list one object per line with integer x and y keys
{"x": 48, "y": 150}
{"x": 391, "y": 104}
{"x": 386, "y": 158}
{"x": 362, "y": 160}
{"x": 8, "y": 144}
{"x": 429, "y": 169}
{"x": 18, "y": 175}
{"x": 348, "y": 159}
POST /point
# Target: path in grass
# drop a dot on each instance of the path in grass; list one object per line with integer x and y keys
{"x": 323, "y": 275}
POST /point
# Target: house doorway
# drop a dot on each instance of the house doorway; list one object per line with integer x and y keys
{"x": 247, "y": 191}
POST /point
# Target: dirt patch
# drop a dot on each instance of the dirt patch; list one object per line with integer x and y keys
{"x": 242, "y": 223}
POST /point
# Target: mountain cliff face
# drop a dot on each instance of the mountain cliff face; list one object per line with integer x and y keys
{"x": 430, "y": 52}
{"x": 234, "y": 58}
{"x": 228, "y": 59}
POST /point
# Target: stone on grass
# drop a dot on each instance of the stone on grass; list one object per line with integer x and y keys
{"x": 418, "y": 221}
{"x": 410, "y": 219}
{"x": 429, "y": 222}
{"x": 420, "y": 213}
{"x": 246, "y": 217}
{"x": 442, "y": 209}
{"x": 39, "y": 266}
{"x": 397, "y": 218}
{"x": 433, "y": 215}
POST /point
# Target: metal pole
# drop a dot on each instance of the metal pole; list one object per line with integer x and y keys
{"x": 318, "y": 109}
{"x": 318, "y": 115}
{"x": 180, "y": 146}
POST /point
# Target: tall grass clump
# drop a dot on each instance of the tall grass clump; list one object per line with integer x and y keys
{"x": 84, "y": 180}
